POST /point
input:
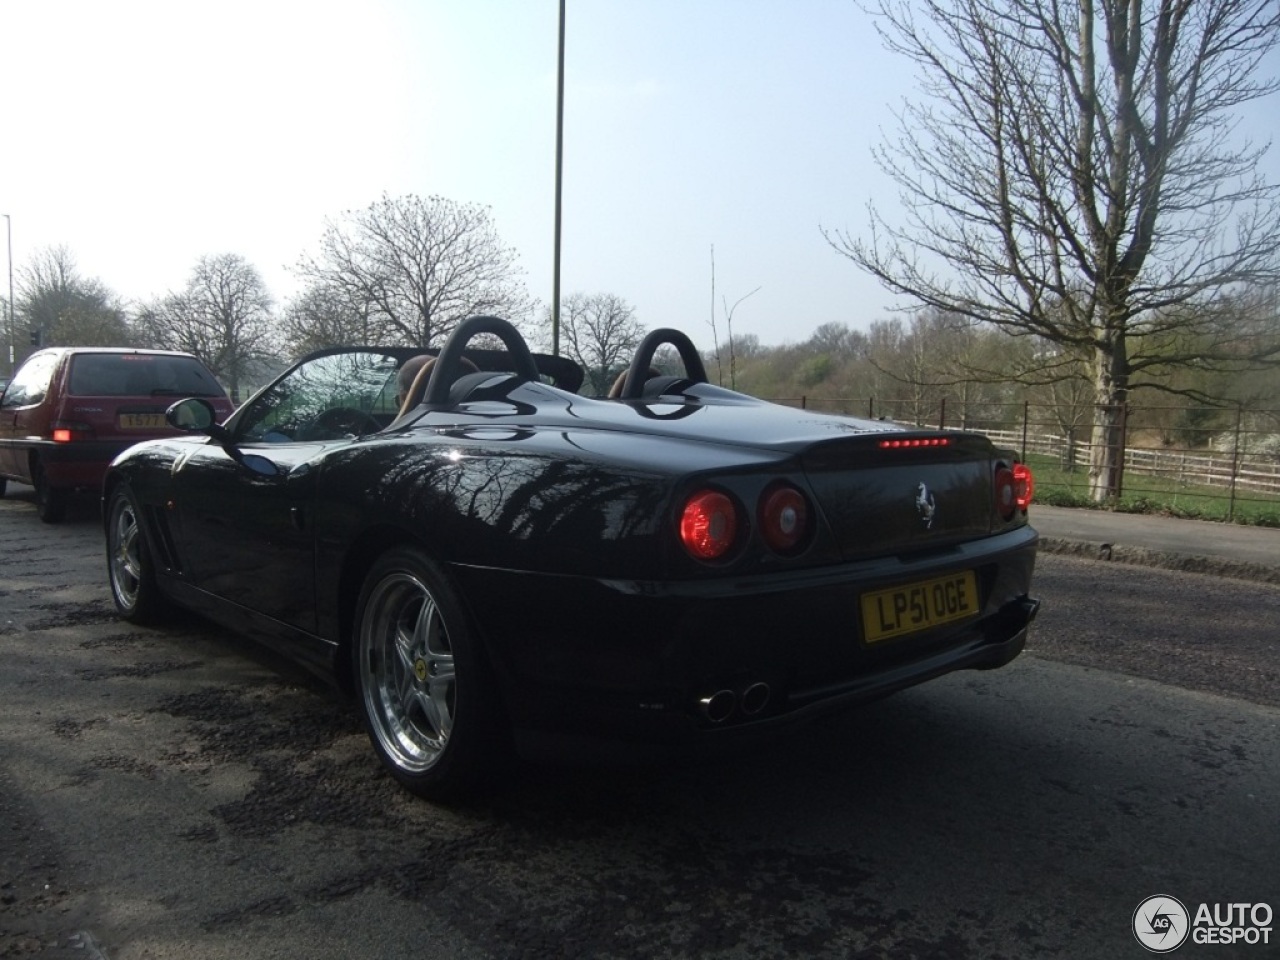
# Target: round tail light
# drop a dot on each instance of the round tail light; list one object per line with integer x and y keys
{"x": 708, "y": 525}
{"x": 1006, "y": 497}
{"x": 784, "y": 519}
{"x": 1024, "y": 485}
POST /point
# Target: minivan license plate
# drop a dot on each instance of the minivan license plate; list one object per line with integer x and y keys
{"x": 141, "y": 421}
{"x": 912, "y": 607}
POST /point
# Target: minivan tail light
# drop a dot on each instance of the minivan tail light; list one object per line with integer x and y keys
{"x": 708, "y": 525}
{"x": 70, "y": 431}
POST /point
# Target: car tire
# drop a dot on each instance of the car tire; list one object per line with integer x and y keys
{"x": 51, "y": 502}
{"x": 427, "y": 693}
{"x": 130, "y": 569}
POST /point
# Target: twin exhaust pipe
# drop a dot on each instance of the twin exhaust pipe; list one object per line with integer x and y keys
{"x": 720, "y": 706}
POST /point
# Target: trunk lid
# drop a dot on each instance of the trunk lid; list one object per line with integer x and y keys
{"x": 902, "y": 492}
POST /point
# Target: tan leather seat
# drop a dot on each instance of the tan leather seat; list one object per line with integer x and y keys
{"x": 418, "y": 389}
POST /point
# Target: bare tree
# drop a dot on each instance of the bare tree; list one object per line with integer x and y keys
{"x": 416, "y": 267}
{"x": 223, "y": 316}
{"x": 914, "y": 362}
{"x": 1074, "y": 174}
{"x": 600, "y": 332}
{"x": 324, "y": 317}
{"x": 59, "y": 306}
{"x": 715, "y": 333}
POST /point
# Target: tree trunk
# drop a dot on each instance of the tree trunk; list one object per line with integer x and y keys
{"x": 1111, "y": 395}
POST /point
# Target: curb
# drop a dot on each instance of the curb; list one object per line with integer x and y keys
{"x": 1143, "y": 557}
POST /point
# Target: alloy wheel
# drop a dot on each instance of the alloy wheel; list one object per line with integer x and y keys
{"x": 408, "y": 675}
{"x": 125, "y": 554}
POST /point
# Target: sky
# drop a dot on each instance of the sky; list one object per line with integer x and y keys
{"x": 144, "y": 135}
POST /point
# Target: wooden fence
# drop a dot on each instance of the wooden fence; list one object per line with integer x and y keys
{"x": 1241, "y": 470}
{"x": 1228, "y": 457}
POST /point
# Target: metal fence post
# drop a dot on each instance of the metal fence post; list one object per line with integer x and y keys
{"x": 1026, "y": 415}
{"x": 1235, "y": 464}
{"x": 1123, "y": 438}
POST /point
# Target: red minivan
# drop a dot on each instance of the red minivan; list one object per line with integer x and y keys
{"x": 68, "y": 412}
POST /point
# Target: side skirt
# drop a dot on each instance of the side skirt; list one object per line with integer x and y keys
{"x": 314, "y": 654}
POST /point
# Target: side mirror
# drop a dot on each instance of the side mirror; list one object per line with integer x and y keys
{"x": 195, "y": 415}
{"x": 192, "y": 415}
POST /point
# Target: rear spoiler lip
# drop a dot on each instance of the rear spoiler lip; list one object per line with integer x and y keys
{"x": 867, "y": 449}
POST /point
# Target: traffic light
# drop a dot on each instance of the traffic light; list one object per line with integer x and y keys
{"x": 35, "y": 337}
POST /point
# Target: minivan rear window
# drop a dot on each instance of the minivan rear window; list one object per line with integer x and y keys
{"x": 140, "y": 375}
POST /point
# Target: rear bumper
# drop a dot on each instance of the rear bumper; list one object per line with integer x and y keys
{"x": 631, "y": 742}
{"x": 992, "y": 643}
{"x": 673, "y": 661}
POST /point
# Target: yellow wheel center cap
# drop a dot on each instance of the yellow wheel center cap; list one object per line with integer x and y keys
{"x": 420, "y": 669}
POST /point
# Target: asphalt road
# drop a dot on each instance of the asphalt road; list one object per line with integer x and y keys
{"x": 174, "y": 793}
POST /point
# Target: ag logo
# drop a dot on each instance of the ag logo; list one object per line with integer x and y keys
{"x": 1161, "y": 924}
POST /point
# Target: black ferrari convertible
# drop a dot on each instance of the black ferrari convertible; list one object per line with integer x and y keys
{"x": 485, "y": 551}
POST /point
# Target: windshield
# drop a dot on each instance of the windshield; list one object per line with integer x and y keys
{"x": 325, "y": 397}
{"x": 140, "y": 375}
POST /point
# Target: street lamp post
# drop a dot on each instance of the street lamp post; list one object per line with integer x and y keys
{"x": 555, "y": 269}
{"x": 8, "y": 229}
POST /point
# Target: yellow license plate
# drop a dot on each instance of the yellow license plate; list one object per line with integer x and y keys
{"x": 141, "y": 421}
{"x": 918, "y": 606}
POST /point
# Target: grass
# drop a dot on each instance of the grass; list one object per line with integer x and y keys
{"x": 1152, "y": 494}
